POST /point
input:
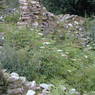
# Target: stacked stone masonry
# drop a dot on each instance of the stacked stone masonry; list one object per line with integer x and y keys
{"x": 35, "y": 15}
{"x": 13, "y": 84}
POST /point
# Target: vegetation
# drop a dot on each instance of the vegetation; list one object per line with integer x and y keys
{"x": 79, "y": 7}
{"x": 7, "y": 6}
{"x": 27, "y": 52}
{"x": 57, "y": 58}
{"x": 8, "y": 3}
{"x": 2, "y": 5}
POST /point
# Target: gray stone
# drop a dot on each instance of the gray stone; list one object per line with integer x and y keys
{"x": 23, "y": 79}
{"x": 46, "y": 86}
{"x": 13, "y": 77}
{"x": 30, "y": 85}
{"x": 31, "y": 92}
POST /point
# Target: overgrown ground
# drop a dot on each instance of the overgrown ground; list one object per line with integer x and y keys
{"x": 58, "y": 58}
{"x": 61, "y": 61}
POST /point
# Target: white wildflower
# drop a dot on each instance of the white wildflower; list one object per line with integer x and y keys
{"x": 46, "y": 43}
{"x": 41, "y": 34}
{"x": 72, "y": 91}
{"x": 86, "y": 56}
{"x": 64, "y": 55}
{"x": 67, "y": 52}
{"x": 59, "y": 50}
{"x": 31, "y": 29}
{"x": 74, "y": 59}
{"x": 69, "y": 71}
{"x": 42, "y": 47}
{"x": 2, "y": 38}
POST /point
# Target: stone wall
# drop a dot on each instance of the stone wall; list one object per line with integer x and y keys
{"x": 35, "y": 15}
{"x": 13, "y": 84}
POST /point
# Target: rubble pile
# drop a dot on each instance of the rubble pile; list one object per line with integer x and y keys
{"x": 75, "y": 25}
{"x": 71, "y": 21}
{"x": 13, "y": 84}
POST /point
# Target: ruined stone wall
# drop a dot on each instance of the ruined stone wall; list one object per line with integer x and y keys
{"x": 25, "y": 13}
{"x": 13, "y": 84}
{"x": 35, "y": 15}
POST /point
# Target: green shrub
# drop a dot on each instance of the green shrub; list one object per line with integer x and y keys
{"x": 79, "y": 7}
{"x": 12, "y": 18}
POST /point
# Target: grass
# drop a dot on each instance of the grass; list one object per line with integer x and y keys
{"x": 59, "y": 61}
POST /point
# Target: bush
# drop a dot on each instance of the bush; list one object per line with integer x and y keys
{"x": 78, "y": 7}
